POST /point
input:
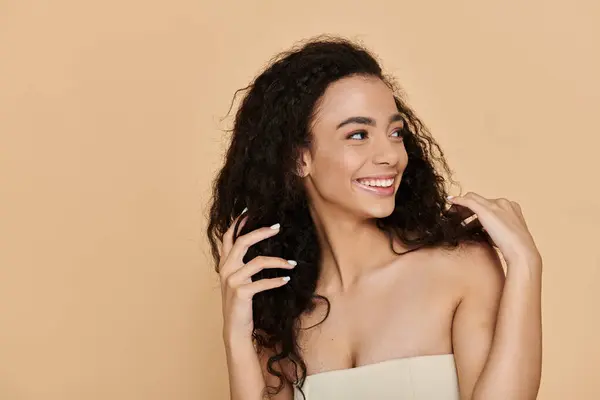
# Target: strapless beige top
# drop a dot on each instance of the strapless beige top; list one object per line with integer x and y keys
{"x": 410, "y": 378}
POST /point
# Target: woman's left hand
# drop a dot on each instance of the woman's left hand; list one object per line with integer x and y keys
{"x": 504, "y": 222}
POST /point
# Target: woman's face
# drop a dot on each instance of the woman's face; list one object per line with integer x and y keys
{"x": 356, "y": 134}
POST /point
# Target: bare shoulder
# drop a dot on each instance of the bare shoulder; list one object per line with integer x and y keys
{"x": 474, "y": 265}
{"x": 477, "y": 266}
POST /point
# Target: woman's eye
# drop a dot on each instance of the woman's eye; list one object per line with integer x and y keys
{"x": 357, "y": 133}
{"x": 398, "y": 133}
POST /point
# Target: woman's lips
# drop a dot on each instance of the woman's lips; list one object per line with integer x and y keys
{"x": 381, "y": 191}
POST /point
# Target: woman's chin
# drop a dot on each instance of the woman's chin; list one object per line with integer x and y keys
{"x": 380, "y": 209}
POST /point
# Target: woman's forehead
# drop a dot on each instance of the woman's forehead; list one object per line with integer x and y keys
{"x": 356, "y": 96}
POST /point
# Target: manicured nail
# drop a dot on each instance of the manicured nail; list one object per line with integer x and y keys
{"x": 450, "y": 197}
{"x": 244, "y": 210}
{"x": 286, "y": 278}
{"x": 276, "y": 226}
{"x": 292, "y": 262}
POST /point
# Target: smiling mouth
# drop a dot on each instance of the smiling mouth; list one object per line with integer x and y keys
{"x": 377, "y": 190}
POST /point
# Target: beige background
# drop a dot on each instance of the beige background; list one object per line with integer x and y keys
{"x": 109, "y": 124}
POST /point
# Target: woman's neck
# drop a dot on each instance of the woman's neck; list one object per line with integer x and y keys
{"x": 350, "y": 249}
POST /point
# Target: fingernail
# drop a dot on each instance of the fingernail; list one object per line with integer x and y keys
{"x": 450, "y": 197}
{"x": 276, "y": 226}
{"x": 286, "y": 278}
{"x": 292, "y": 262}
{"x": 244, "y": 210}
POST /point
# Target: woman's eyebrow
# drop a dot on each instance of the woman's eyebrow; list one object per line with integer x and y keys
{"x": 367, "y": 120}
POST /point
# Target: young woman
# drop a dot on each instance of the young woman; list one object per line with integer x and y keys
{"x": 350, "y": 275}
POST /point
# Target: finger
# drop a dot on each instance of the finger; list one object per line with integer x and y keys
{"x": 463, "y": 212}
{"x": 257, "y": 264}
{"x": 228, "y": 236}
{"x": 479, "y": 205}
{"x": 519, "y": 212}
{"x": 472, "y": 220}
{"x": 478, "y": 198}
{"x": 518, "y": 209}
{"x": 242, "y": 243}
{"x": 504, "y": 202}
{"x": 261, "y": 285}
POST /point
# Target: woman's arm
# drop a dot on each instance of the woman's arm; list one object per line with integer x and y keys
{"x": 512, "y": 368}
{"x": 247, "y": 371}
{"x": 514, "y": 365}
{"x": 245, "y": 377}
{"x": 497, "y": 333}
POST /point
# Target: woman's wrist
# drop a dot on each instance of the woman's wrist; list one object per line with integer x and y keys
{"x": 234, "y": 339}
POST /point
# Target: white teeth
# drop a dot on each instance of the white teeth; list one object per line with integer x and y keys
{"x": 378, "y": 182}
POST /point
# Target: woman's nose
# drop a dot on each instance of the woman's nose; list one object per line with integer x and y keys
{"x": 386, "y": 152}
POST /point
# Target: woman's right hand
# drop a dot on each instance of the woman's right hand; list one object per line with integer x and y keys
{"x": 237, "y": 287}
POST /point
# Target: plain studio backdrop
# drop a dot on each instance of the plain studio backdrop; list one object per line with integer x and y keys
{"x": 110, "y": 135}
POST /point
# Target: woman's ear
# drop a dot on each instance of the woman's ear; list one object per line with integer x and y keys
{"x": 301, "y": 172}
{"x": 303, "y": 165}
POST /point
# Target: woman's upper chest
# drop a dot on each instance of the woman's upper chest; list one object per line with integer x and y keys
{"x": 398, "y": 313}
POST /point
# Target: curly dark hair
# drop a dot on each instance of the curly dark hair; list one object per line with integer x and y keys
{"x": 272, "y": 126}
